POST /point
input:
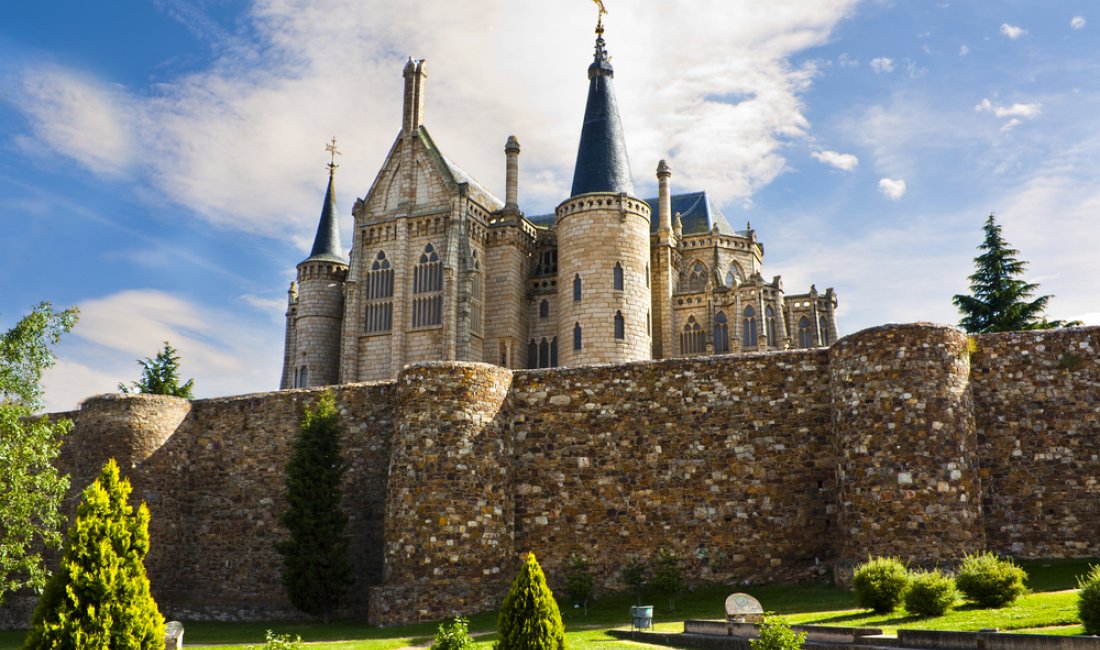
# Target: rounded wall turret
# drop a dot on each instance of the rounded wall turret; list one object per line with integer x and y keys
{"x": 318, "y": 321}
{"x": 906, "y": 446}
{"x": 603, "y": 245}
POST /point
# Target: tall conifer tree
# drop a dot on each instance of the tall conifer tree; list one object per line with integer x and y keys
{"x": 999, "y": 298}
{"x": 316, "y": 569}
{"x": 529, "y": 618}
{"x": 100, "y": 597}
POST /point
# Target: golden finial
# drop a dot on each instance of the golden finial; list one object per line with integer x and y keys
{"x": 331, "y": 148}
{"x": 599, "y": 19}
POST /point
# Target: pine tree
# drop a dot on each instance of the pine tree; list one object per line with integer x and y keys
{"x": 161, "y": 376}
{"x": 999, "y": 300}
{"x": 100, "y": 596}
{"x": 316, "y": 569}
{"x": 529, "y": 618}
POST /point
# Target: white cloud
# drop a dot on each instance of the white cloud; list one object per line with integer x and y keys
{"x": 842, "y": 161}
{"x": 1012, "y": 32}
{"x": 847, "y": 61}
{"x": 1078, "y": 22}
{"x": 964, "y": 50}
{"x": 892, "y": 188}
{"x": 1016, "y": 112}
{"x": 882, "y": 64}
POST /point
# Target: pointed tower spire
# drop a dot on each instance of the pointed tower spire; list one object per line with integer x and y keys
{"x": 326, "y": 245}
{"x": 602, "y": 164}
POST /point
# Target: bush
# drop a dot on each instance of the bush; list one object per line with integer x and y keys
{"x": 879, "y": 584}
{"x": 776, "y": 634}
{"x": 274, "y": 641}
{"x": 667, "y": 575}
{"x": 930, "y": 593}
{"x": 453, "y": 634}
{"x": 529, "y": 618}
{"x": 579, "y": 580}
{"x": 990, "y": 581}
{"x": 1088, "y": 600}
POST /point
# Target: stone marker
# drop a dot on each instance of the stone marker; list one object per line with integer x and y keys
{"x": 743, "y": 608}
{"x": 173, "y": 635}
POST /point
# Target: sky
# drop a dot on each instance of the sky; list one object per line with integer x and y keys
{"x": 162, "y": 162}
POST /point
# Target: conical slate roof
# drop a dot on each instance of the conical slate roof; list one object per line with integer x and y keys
{"x": 602, "y": 164}
{"x": 326, "y": 245}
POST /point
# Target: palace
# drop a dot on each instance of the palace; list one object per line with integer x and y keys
{"x": 441, "y": 269}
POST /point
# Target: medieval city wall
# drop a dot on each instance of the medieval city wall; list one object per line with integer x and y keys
{"x": 914, "y": 440}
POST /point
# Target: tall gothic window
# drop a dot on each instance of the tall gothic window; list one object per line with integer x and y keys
{"x": 696, "y": 277}
{"x": 769, "y": 324}
{"x": 748, "y": 330}
{"x": 577, "y": 340}
{"x": 428, "y": 290}
{"x": 379, "y": 295}
{"x": 532, "y": 354}
{"x": 721, "y": 333}
{"x": 544, "y": 353}
{"x": 544, "y": 309}
{"x": 617, "y": 273}
{"x": 476, "y": 301}
{"x": 805, "y": 337}
{"x": 693, "y": 339}
{"x": 577, "y": 288}
{"x": 824, "y": 327}
{"x": 620, "y": 326}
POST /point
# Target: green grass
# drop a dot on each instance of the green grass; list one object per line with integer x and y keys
{"x": 1049, "y": 610}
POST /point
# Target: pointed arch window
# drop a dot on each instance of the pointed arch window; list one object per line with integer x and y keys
{"x": 620, "y": 326}
{"x": 577, "y": 336}
{"x": 378, "y": 295}
{"x": 824, "y": 327}
{"x": 544, "y": 309}
{"x": 748, "y": 329}
{"x": 696, "y": 279}
{"x": 532, "y": 354}
{"x": 428, "y": 290}
{"x": 733, "y": 276}
{"x": 544, "y": 353}
{"x": 770, "y": 325}
{"x": 577, "y": 288}
{"x": 721, "y": 333}
{"x": 805, "y": 337}
{"x": 476, "y": 300}
{"x": 692, "y": 338}
{"x": 617, "y": 277}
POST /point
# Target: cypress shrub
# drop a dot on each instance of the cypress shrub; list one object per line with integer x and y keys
{"x": 990, "y": 581}
{"x": 879, "y": 584}
{"x": 529, "y": 618}
{"x": 930, "y": 593}
{"x": 100, "y": 596}
{"x": 1088, "y": 600}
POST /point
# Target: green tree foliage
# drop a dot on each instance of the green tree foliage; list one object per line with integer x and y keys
{"x": 668, "y": 575}
{"x": 999, "y": 300}
{"x": 990, "y": 581}
{"x": 161, "y": 376}
{"x": 529, "y": 618}
{"x": 31, "y": 488}
{"x": 453, "y": 634}
{"x": 1088, "y": 600}
{"x": 776, "y": 634}
{"x": 273, "y": 641}
{"x": 635, "y": 574}
{"x": 579, "y": 581}
{"x": 316, "y": 569}
{"x": 879, "y": 584}
{"x": 100, "y": 597}
{"x": 930, "y": 593}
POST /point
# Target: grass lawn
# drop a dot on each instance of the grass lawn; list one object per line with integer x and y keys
{"x": 1050, "y": 609}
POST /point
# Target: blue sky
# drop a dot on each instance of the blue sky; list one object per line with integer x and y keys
{"x": 162, "y": 161}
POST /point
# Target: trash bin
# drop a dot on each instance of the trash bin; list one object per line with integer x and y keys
{"x": 641, "y": 617}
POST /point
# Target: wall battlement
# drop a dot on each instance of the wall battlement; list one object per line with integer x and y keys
{"x": 912, "y": 440}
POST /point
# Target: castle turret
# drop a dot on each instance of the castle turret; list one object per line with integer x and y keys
{"x": 603, "y": 239}
{"x": 315, "y": 315}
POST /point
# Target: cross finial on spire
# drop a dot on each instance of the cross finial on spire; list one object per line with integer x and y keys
{"x": 331, "y": 148}
{"x": 599, "y": 19}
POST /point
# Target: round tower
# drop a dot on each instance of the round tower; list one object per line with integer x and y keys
{"x": 604, "y": 297}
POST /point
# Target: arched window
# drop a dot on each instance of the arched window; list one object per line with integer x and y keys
{"x": 428, "y": 290}
{"x": 696, "y": 278}
{"x": 577, "y": 341}
{"x": 805, "y": 337}
{"x": 617, "y": 277}
{"x": 544, "y": 309}
{"x": 544, "y": 353}
{"x": 769, "y": 323}
{"x": 721, "y": 333}
{"x": 475, "y": 296}
{"x": 378, "y": 295}
{"x": 620, "y": 326}
{"x": 824, "y": 327}
{"x": 692, "y": 339}
{"x": 748, "y": 330}
{"x": 554, "y": 352}
{"x": 733, "y": 276}
{"x": 577, "y": 288}
{"x": 532, "y": 354}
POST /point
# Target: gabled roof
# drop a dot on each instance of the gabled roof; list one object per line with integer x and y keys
{"x": 455, "y": 174}
{"x": 697, "y": 212}
{"x": 326, "y": 244}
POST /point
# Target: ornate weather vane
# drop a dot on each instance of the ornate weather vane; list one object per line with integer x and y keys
{"x": 599, "y": 19}
{"x": 331, "y": 148}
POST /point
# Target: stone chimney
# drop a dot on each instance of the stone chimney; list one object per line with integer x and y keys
{"x": 511, "y": 182}
{"x": 664, "y": 197}
{"x": 415, "y": 74}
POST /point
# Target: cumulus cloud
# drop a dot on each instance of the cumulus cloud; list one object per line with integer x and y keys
{"x": 1077, "y": 22}
{"x": 892, "y": 188}
{"x": 842, "y": 161}
{"x": 1012, "y": 32}
{"x": 882, "y": 64}
{"x": 254, "y": 123}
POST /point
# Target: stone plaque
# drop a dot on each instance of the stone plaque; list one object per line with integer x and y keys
{"x": 743, "y": 608}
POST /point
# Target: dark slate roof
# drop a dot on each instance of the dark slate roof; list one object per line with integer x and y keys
{"x": 697, "y": 212}
{"x": 326, "y": 245}
{"x": 602, "y": 164}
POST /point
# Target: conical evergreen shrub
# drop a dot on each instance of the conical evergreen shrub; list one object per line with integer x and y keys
{"x": 529, "y": 618}
{"x": 100, "y": 598}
